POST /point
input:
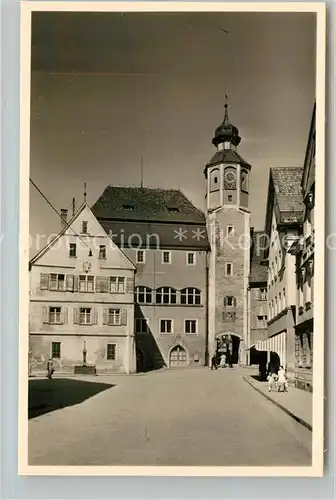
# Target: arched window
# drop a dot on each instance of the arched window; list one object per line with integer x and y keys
{"x": 143, "y": 295}
{"x": 214, "y": 179}
{"x": 165, "y": 295}
{"x": 191, "y": 296}
{"x": 244, "y": 180}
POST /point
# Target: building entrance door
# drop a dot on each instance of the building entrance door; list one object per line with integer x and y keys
{"x": 178, "y": 356}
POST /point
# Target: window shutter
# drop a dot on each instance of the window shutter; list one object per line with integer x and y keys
{"x": 105, "y": 316}
{"x": 64, "y": 315}
{"x": 129, "y": 285}
{"x": 44, "y": 281}
{"x": 104, "y": 284}
{"x": 123, "y": 317}
{"x": 45, "y": 314}
{"x": 75, "y": 316}
{"x": 225, "y": 301}
{"x": 235, "y": 302}
{"x": 98, "y": 284}
{"x": 75, "y": 284}
{"x": 69, "y": 282}
{"x": 95, "y": 317}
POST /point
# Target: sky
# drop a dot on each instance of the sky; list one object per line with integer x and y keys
{"x": 109, "y": 88}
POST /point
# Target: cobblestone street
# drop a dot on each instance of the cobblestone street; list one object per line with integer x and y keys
{"x": 183, "y": 417}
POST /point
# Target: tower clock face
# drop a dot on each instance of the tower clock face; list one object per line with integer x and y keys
{"x": 230, "y": 178}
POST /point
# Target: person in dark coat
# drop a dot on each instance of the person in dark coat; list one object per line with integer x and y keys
{"x": 50, "y": 368}
{"x": 229, "y": 358}
{"x": 214, "y": 362}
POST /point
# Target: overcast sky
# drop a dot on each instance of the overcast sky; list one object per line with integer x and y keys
{"x": 107, "y": 88}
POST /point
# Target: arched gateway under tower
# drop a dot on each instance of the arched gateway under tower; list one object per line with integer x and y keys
{"x": 228, "y": 223}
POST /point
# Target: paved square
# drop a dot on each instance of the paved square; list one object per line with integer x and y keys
{"x": 183, "y": 417}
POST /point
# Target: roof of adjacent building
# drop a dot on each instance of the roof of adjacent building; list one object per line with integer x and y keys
{"x": 288, "y": 193}
{"x": 146, "y": 204}
{"x": 227, "y": 156}
{"x": 151, "y": 218}
{"x": 258, "y": 272}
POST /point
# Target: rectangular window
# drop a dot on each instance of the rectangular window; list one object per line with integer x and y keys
{"x": 141, "y": 325}
{"x": 230, "y": 231}
{"x": 54, "y": 315}
{"x": 117, "y": 284}
{"x": 56, "y": 350}
{"x": 229, "y": 316}
{"x": 73, "y": 250}
{"x": 84, "y": 227}
{"x": 262, "y": 321}
{"x": 114, "y": 317}
{"x": 111, "y": 352}
{"x": 85, "y": 316}
{"x": 229, "y": 301}
{"x": 262, "y": 294}
{"x": 230, "y": 197}
{"x": 166, "y": 257}
{"x": 190, "y": 326}
{"x": 191, "y": 258}
{"x": 86, "y": 283}
{"x": 57, "y": 282}
{"x": 166, "y": 326}
{"x": 102, "y": 252}
{"x": 228, "y": 269}
{"x": 140, "y": 256}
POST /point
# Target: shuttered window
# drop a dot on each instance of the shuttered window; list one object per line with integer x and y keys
{"x": 114, "y": 316}
{"x": 117, "y": 284}
{"x": 86, "y": 283}
{"x": 85, "y": 316}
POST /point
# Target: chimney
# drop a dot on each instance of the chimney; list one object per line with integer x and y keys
{"x": 64, "y": 217}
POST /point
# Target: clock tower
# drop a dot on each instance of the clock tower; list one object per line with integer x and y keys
{"x": 228, "y": 222}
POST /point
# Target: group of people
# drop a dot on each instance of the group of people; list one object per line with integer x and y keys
{"x": 277, "y": 379}
{"x": 221, "y": 360}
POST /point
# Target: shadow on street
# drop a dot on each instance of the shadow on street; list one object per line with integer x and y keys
{"x": 46, "y": 395}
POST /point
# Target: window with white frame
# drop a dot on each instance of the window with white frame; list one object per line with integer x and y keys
{"x": 262, "y": 294}
{"x": 85, "y": 315}
{"x": 191, "y": 258}
{"x": 191, "y": 296}
{"x": 143, "y": 295}
{"x": 141, "y": 325}
{"x": 166, "y": 257}
{"x": 54, "y": 315}
{"x": 262, "y": 320}
{"x": 165, "y": 295}
{"x": 166, "y": 326}
{"x": 114, "y": 317}
{"x": 84, "y": 227}
{"x": 111, "y": 350}
{"x": 229, "y": 301}
{"x": 56, "y": 350}
{"x": 229, "y": 231}
{"x": 190, "y": 326}
{"x": 140, "y": 256}
{"x": 102, "y": 252}
{"x": 228, "y": 269}
{"x": 57, "y": 282}
{"x": 86, "y": 283}
{"x": 72, "y": 250}
{"x": 117, "y": 284}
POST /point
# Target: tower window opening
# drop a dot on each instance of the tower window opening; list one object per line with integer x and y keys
{"x": 216, "y": 180}
{"x": 230, "y": 197}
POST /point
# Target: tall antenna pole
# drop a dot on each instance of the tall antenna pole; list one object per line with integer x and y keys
{"x": 85, "y": 193}
{"x": 141, "y": 171}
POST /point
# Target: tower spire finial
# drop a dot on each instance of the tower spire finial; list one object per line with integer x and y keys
{"x": 85, "y": 193}
{"x": 226, "y": 116}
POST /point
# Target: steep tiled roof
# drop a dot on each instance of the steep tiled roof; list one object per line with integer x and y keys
{"x": 288, "y": 193}
{"x": 146, "y": 204}
{"x": 227, "y": 156}
{"x": 157, "y": 234}
{"x": 258, "y": 272}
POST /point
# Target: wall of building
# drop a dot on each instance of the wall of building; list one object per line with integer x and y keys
{"x": 177, "y": 274}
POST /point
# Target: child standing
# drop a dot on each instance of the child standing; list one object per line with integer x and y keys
{"x": 282, "y": 380}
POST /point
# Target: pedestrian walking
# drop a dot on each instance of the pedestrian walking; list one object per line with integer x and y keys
{"x": 229, "y": 358}
{"x": 214, "y": 362}
{"x": 272, "y": 381}
{"x": 282, "y": 380}
{"x": 50, "y": 368}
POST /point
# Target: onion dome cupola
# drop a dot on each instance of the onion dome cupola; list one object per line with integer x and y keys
{"x": 226, "y": 132}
